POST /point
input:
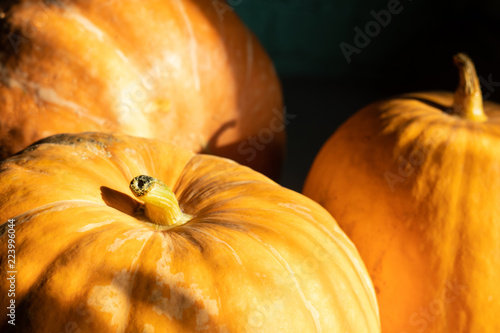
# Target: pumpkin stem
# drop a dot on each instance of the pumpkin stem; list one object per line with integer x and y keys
{"x": 468, "y": 101}
{"x": 160, "y": 204}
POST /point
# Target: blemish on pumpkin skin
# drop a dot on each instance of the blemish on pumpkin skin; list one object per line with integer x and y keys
{"x": 202, "y": 320}
{"x": 148, "y": 328}
{"x": 94, "y": 225}
{"x": 180, "y": 298}
{"x": 140, "y": 235}
{"x": 113, "y": 299}
{"x": 50, "y": 96}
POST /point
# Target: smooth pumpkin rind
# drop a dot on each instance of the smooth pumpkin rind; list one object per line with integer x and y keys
{"x": 415, "y": 188}
{"x": 180, "y": 71}
{"x": 255, "y": 256}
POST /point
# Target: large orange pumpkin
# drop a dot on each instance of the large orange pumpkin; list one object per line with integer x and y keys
{"x": 235, "y": 253}
{"x": 187, "y": 71}
{"x": 414, "y": 181}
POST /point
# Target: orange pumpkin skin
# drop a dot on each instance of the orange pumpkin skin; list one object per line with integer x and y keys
{"x": 254, "y": 257}
{"x": 416, "y": 190}
{"x": 185, "y": 71}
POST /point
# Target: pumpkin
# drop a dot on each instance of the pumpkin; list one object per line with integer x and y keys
{"x": 121, "y": 234}
{"x": 414, "y": 181}
{"x": 185, "y": 71}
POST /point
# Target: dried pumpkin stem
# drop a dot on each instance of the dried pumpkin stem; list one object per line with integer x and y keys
{"x": 468, "y": 102}
{"x": 160, "y": 204}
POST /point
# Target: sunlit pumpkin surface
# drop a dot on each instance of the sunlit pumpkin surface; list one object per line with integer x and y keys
{"x": 253, "y": 257}
{"x": 416, "y": 187}
{"x": 185, "y": 71}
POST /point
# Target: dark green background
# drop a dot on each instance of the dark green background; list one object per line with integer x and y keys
{"x": 412, "y": 53}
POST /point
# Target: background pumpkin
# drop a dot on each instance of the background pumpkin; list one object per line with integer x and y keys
{"x": 187, "y": 71}
{"x": 414, "y": 181}
{"x": 254, "y": 256}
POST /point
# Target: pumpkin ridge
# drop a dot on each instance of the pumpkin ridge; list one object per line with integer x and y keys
{"x": 428, "y": 103}
{"x": 313, "y": 312}
{"x": 198, "y": 228}
{"x": 346, "y": 246}
{"x": 148, "y": 244}
{"x": 101, "y": 140}
{"x": 192, "y": 44}
{"x": 112, "y": 59}
{"x": 429, "y": 235}
{"x": 52, "y": 207}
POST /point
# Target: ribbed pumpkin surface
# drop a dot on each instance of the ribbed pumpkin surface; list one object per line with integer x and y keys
{"x": 185, "y": 71}
{"x": 417, "y": 190}
{"x": 254, "y": 257}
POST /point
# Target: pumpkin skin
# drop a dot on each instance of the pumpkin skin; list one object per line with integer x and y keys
{"x": 254, "y": 257}
{"x": 185, "y": 71}
{"x": 416, "y": 190}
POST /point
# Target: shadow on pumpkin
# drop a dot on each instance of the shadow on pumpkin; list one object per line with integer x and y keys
{"x": 41, "y": 310}
{"x": 119, "y": 201}
{"x": 428, "y": 103}
{"x": 265, "y": 157}
{"x": 264, "y": 150}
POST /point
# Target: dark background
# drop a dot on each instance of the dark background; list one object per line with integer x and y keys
{"x": 413, "y": 52}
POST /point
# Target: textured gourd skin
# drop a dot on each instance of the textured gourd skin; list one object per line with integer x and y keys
{"x": 417, "y": 191}
{"x": 185, "y": 71}
{"x": 255, "y": 256}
